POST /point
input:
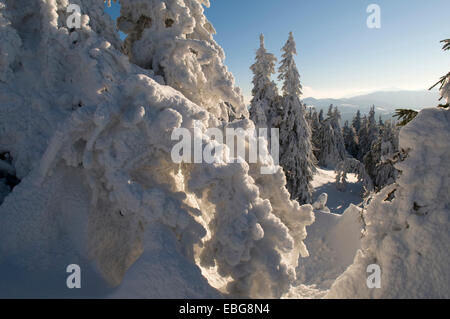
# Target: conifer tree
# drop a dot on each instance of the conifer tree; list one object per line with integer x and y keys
{"x": 315, "y": 125}
{"x": 356, "y": 123}
{"x": 368, "y": 134}
{"x": 330, "y": 142}
{"x": 444, "y": 82}
{"x": 350, "y": 139}
{"x": 321, "y": 116}
{"x": 265, "y": 93}
{"x": 296, "y": 152}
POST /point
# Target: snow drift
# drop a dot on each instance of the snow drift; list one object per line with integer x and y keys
{"x": 332, "y": 242}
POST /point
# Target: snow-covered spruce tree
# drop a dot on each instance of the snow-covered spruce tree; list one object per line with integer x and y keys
{"x": 264, "y": 103}
{"x": 91, "y": 146}
{"x": 330, "y": 141}
{"x": 315, "y": 125}
{"x": 330, "y": 111}
{"x": 368, "y": 134}
{"x": 350, "y": 139}
{"x": 362, "y": 137}
{"x": 296, "y": 152}
{"x": 174, "y": 39}
{"x": 356, "y": 123}
{"x": 382, "y": 156}
{"x": 336, "y": 119}
{"x": 321, "y": 116}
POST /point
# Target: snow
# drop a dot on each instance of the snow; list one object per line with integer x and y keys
{"x": 89, "y": 135}
{"x": 296, "y": 149}
{"x": 87, "y": 176}
{"x": 329, "y": 141}
{"x": 265, "y": 91}
{"x": 325, "y": 182}
{"x": 333, "y": 239}
{"x": 161, "y": 272}
{"x": 446, "y": 90}
{"x": 332, "y": 243}
{"x": 175, "y": 40}
{"x": 407, "y": 222}
{"x": 321, "y": 202}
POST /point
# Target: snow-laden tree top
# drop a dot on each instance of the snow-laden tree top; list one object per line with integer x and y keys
{"x": 265, "y": 92}
{"x": 175, "y": 40}
{"x": 263, "y": 69}
{"x": 288, "y": 69}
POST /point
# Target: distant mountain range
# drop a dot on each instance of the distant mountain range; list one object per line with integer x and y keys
{"x": 386, "y": 102}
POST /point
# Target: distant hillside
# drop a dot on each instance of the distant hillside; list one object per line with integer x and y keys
{"x": 385, "y": 102}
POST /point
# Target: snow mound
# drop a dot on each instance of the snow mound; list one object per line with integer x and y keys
{"x": 321, "y": 202}
{"x": 407, "y": 224}
{"x": 89, "y": 135}
{"x": 332, "y": 244}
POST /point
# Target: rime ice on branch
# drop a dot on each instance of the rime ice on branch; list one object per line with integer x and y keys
{"x": 174, "y": 39}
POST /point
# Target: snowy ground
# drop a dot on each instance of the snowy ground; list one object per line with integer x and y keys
{"x": 332, "y": 240}
{"x": 325, "y": 182}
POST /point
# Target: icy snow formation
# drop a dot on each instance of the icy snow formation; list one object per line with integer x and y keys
{"x": 175, "y": 39}
{"x": 89, "y": 134}
{"x": 407, "y": 223}
{"x": 321, "y": 202}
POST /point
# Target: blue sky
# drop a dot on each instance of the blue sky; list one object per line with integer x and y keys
{"x": 338, "y": 54}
